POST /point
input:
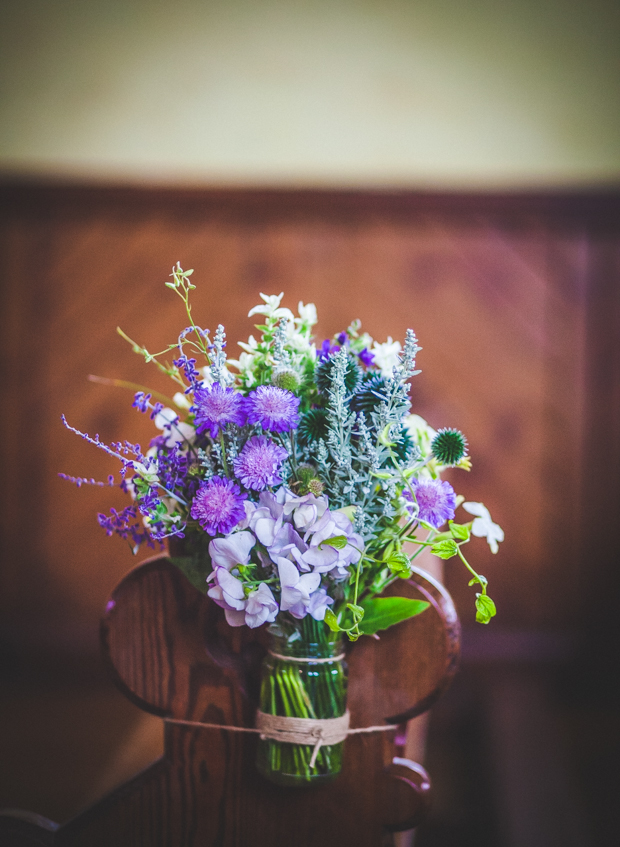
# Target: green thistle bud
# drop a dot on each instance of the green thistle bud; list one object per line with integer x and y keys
{"x": 449, "y": 446}
{"x": 370, "y": 394}
{"x": 324, "y": 372}
{"x": 312, "y": 426}
{"x": 307, "y": 481}
{"x": 286, "y": 379}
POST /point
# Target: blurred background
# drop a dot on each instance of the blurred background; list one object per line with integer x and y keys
{"x": 446, "y": 166}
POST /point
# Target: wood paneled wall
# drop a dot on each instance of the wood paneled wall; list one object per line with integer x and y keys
{"x": 515, "y": 300}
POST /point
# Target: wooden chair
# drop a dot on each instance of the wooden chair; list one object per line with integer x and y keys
{"x": 171, "y": 652}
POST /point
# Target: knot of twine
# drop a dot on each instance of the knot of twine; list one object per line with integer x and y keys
{"x": 310, "y": 731}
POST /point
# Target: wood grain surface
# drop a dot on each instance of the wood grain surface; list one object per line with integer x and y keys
{"x": 172, "y": 653}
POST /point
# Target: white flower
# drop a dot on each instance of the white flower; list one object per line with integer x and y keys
{"x": 319, "y": 601}
{"x": 483, "y": 526}
{"x": 147, "y": 473}
{"x": 272, "y": 308}
{"x": 296, "y": 588}
{"x": 386, "y": 355}
{"x": 261, "y": 606}
{"x": 307, "y": 314}
{"x": 232, "y": 551}
{"x": 168, "y": 421}
{"x": 181, "y": 401}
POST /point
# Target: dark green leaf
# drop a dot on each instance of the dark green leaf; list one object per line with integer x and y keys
{"x": 383, "y": 612}
{"x": 445, "y": 549}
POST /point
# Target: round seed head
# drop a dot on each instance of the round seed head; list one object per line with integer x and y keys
{"x": 449, "y": 446}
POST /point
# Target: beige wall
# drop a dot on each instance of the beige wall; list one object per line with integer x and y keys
{"x": 436, "y": 92}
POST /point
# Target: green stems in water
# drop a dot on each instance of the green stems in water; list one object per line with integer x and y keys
{"x": 303, "y": 689}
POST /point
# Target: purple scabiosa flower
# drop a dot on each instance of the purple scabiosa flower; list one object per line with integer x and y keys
{"x": 275, "y": 409}
{"x": 258, "y": 464}
{"x": 215, "y": 406}
{"x": 218, "y": 505}
{"x": 436, "y": 500}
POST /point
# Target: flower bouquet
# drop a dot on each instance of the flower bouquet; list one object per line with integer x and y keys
{"x": 294, "y": 486}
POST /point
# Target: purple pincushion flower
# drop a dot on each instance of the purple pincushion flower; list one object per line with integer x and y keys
{"x": 275, "y": 409}
{"x": 215, "y": 406}
{"x": 258, "y": 464}
{"x": 218, "y": 505}
{"x": 436, "y": 500}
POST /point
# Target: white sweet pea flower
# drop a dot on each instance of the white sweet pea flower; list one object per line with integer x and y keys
{"x": 229, "y": 594}
{"x": 261, "y": 607}
{"x": 232, "y": 551}
{"x": 483, "y": 526}
{"x": 296, "y": 588}
{"x": 319, "y": 601}
{"x": 272, "y": 308}
{"x": 386, "y": 355}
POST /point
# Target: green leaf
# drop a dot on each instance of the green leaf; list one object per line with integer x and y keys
{"x": 485, "y": 608}
{"x": 442, "y": 536}
{"x": 399, "y": 564}
{"x": 478, "y": 580}
{"x": 381, "y": 474}
{"x": 383, "y": 612}
{"x": 445, "y": 549}
{"x": 357, "y": 611}
{"x": 384, "y": 437}
{"x": 459, "y": 531}
{"x": 332, "y": 621}
{"x": 409, "y": 473}
{"x": 337, "y": 541}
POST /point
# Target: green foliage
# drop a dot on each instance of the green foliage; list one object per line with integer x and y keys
{"x": 459, "y": 531}
{"x": 383, "y": 612}
{"x": 325, "y": 371}
{"x": 485, "y": 608}
{"x": 399, "y": 565}
{"x": 445, "y": 549}
{"x": 337, "y": 541}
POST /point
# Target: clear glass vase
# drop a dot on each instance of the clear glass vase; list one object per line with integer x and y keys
{"x": 304, "y": 676}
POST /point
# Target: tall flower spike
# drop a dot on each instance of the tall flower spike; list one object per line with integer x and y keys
{"x": 410, "y": 351}
{"x": 218, "y": 358}
{"x": 280, "y": 354}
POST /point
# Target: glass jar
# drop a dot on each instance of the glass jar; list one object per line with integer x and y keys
{"x": 302, "y": 677}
